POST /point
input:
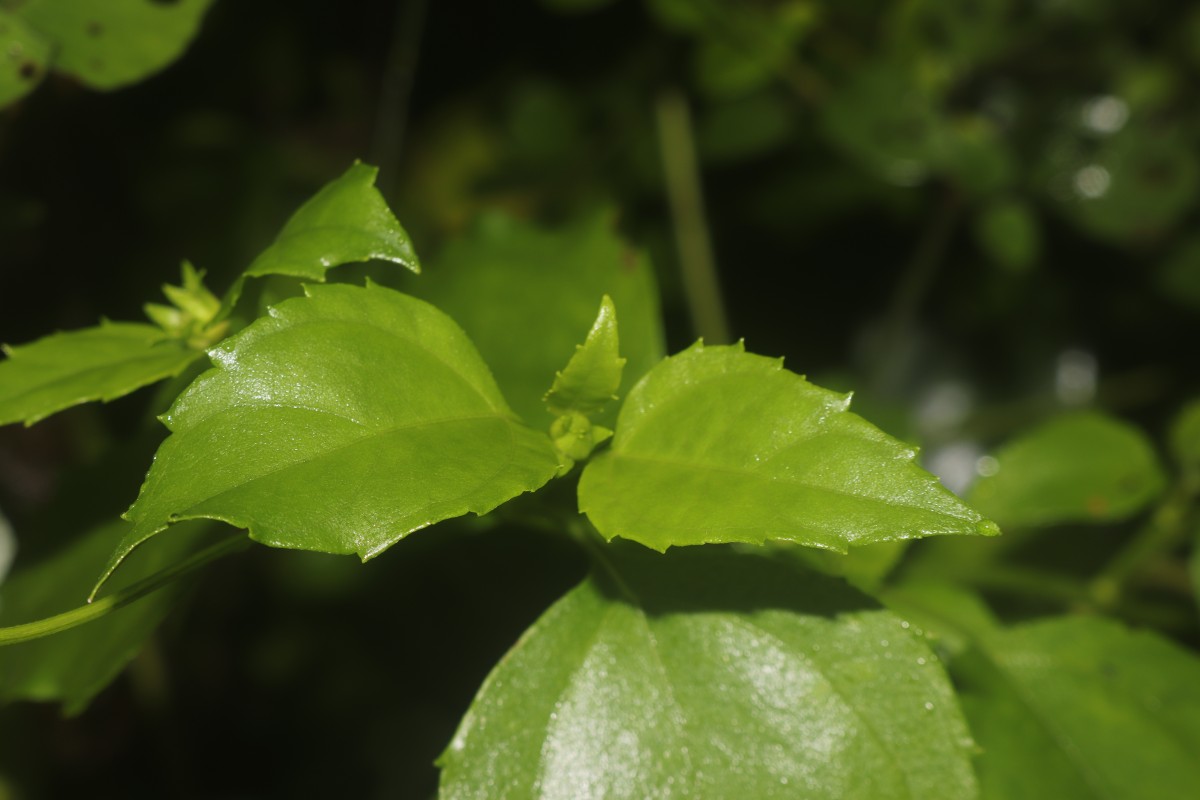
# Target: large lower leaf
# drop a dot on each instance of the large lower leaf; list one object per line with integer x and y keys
{"x": 340, "y": 423}
{"x": 527, "y": 296}
{"x": 1084, "y": 467}
{"x": 1083, "y": 708}
{"x": 717, "y": 445}
{"x": 101, "y": 363}
{"x": 713, "y": 674}
{"x": 116, "y": 42}
{"x": 71, "y": 667}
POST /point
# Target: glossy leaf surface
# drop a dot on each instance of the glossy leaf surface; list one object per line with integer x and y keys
{"x": 527, "y": 296}
{"x": 71, "y": 667}
{"x": 340, "y": 423}
{"x": 1083, "y": 708}
{"x": 117, "y": 42}
{"x": 718, "y": 445}
{"x": 347, "y": 221}
{"x": 100, "y": 363}
{"x": 713, "y": 674}
{"x": 1085, "y": 467}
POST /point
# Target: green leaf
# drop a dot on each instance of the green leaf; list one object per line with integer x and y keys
{"x": 346, "y": 222}
{"x": 71, "y": 667}
{"x": 717, "y": 445}
{"x": 1007, "y": 230}
{"x": 885, "y": 118}
{"x": 1185, "y": 437}
{"x": 592, "y": 376}
{"x": 24, "y": 58}
{"x": 527, "y": 296}
{"x": 713, "y": 674}
{"x": 1083, "y": 708}
{"x": 341, "y": 423}
{"x": 1136, "y": 185}
{"x": 1084, "y": 467}
{"x": 100, "y": 363}
{"x": 108, "y": 45}
{"x": 746, "y": 127}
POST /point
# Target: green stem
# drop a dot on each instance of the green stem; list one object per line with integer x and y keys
{"x": 123, "y": 597}
{"x": 696, "y": 260}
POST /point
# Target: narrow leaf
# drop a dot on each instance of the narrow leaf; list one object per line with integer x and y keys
{"x": 1085, "y": 467}
{"x": 345, "y": 222}
{"x": 117, "y": 42}
{"x": 100, "y": 363}
{"x": 713, "y": 674}
{"x": 340, "y": 423}
{"x": 71, "y": 667}
{"x": 592, "y": 376}
{"x": 1083, "y": 708}
{"x": 717, "y": 445}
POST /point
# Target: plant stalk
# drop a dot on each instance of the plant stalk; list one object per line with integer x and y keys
{"x": 681, "y": 173}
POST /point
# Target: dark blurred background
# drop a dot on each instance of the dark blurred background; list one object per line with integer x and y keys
{"x": 971, "y": 212}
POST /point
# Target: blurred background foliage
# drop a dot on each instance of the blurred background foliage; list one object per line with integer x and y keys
{"x": 975, "y": 213}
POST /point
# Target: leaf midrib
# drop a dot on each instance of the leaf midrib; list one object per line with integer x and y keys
{"x": 370, "y": 434}
{"x": 750, "y": 473}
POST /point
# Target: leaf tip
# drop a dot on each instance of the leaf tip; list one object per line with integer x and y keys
{"x": 985, "y": 527}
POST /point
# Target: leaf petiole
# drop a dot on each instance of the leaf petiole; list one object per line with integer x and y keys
{"x": 28, "y": 631}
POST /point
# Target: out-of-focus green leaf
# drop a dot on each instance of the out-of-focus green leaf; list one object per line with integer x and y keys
{"x": 950, "y": 616}
{"x": 888, "y": 122}
{"x": 101, "y": 363}
{"x": 71, "y": 667}
{"x": 346, "y": 222}
{"x": 340, "y": 423}
{"x": 24, "y": 58}
{"x": 1007, "y": 230}
{"x": 961, "y": 33}
{"x": 710, "y": 674}
{"x": 1082, "y": 708}
{"x": 110, "y": 44}
{"x": 1135, "y": 185}
{"x": 1085, "y": 467}
{"x": 527, "y": 296}
{"x": 717, "y": 445}
{"x": 745, "y": 45}
{"x": 977, "y": 157}
{"x": 1185, "y": 436}
{"x": 680, "y": 15}
{"x": 864, "y": 567}
{"x": 745, "y": 127}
